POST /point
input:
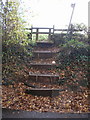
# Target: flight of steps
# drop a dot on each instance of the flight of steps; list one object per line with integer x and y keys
{"x": 42, "y": 69}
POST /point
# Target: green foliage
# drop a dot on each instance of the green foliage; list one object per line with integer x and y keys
{"x": 74, "y": 43}
{"x": 58, "y": 39}
{"x": 41, "y": 37}
{"x": 14, "y": 29}
{"x": 75, "y": 49}
{"x": 16, "y": 47}
{"x": 74, "y": 54}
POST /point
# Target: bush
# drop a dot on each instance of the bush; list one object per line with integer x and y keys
{"x": 71, "y": 53}
{"x": 16, "y": 48}
{"x": 58, "y": 39}
{"x": 74, "y": 48}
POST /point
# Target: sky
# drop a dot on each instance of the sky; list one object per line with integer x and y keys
{"x": 89, "y": 14}
{"x": 54, "y": 12}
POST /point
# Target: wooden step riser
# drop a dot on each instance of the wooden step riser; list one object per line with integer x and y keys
{"x": 43, "y": 66}
{"x": 44, "y": 45}
{"x": 44, "y": 79}
{"x": 43, "y": 55}
{"x": 43, "y": 92}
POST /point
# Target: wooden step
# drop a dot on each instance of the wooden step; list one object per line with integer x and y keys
{"x": 44, "y": 44}
{"x": 44, "y": 78}
{"x": 43, "y": 54}
{"x": 45, "y": 92}
{"x": 42, "y": 65}
{"x": 43, "y": 75}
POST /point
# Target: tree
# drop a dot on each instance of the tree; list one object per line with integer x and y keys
{"x": 14, "y": 39}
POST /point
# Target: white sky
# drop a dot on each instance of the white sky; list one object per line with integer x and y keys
{"x": 54, "y": 12}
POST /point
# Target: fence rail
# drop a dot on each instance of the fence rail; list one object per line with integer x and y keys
{"x": 51, "y": 31}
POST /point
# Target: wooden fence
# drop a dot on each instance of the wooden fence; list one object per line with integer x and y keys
{"x": 48, "y": 31}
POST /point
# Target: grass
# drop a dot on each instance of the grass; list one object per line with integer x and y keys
{"x": 41, "y": 37}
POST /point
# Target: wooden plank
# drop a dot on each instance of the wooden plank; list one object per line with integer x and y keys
{"x": 44, "y": 54}
{"x": 41, "y": 32}
{"x": 42, "y": 51}
{"x": 45, "y": 42}
{"x": 43, "y": 75}
{"x": 49, "y": 36}
{"x": 44, "y": 78}
{"x": 45, "y": 92}
{"x": 47, "y": 52}
{"x": 40, "y": 28}
{"x": 53, "y": 29}
{"x": 66, "y": 30}
{"x": 37, "y": 32}
{"x": 42, "y": 64}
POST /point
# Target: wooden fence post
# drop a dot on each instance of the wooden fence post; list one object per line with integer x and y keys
{"x": 37, "y": 30}
{"x": 53, "y": 29}
{"x": 49, "y": 36}
{"x": 53, "y": 34}
{"x": 31, "y": 31}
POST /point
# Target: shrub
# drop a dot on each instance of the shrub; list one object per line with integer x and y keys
{"x": 15, "y": 43}
{"x": 74, "y": 48}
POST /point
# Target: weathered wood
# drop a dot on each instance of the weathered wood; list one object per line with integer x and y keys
{"x": 45, "y": 92}
{"x": 49, "y": 36}
{"x": 44, "y": 54}
{"x": 44, "y": 78}
{"x": 66, "y": 30}
{"x": 51, "y": 28}
{"x": 37, "y": 32}
{"x": 42, "y": 33}
{"x": 39, "y": 28}
{"x": 44, "y": 44}
{"x": 42, "y": 66}
{"x": 29, "y": 85}
{"x": 50, "y": 32}
{"x": 43, "y": 75}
